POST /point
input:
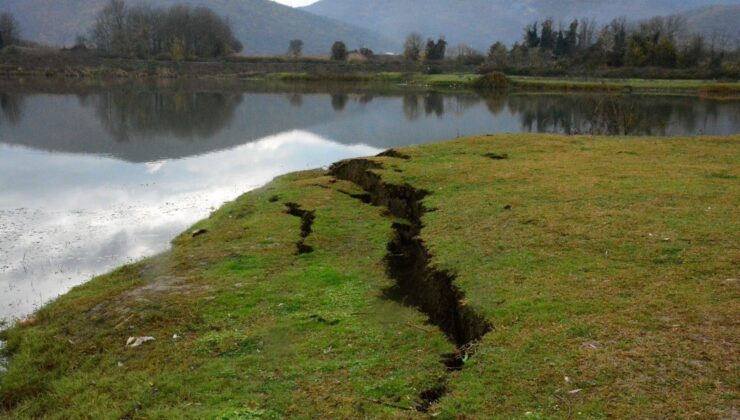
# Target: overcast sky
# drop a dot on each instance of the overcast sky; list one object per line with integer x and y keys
{"x": 296, "y": 3}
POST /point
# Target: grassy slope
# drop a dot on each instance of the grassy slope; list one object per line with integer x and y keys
{"x": 263, "y": 330}
{"x": 611, "y": 282}
{"x": 615, "y": 268}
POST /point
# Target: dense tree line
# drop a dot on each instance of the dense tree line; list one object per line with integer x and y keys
{"x": 658, "y": 42}
{"x": 661, "y": 42}
{"x": 179, "y": 32}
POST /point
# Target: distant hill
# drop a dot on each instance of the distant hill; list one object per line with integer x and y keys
{"x": 263, "y": 26}
{"x": 481, "y": 22}
{"x": 711, "y": 20}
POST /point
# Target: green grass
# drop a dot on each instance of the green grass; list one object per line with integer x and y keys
{"x": 456, "y": 80}
{"x": 616, "y": 267}
{"x": 705, "y": 87}
{"x": 524, "y": 83}
{"x": 608, "y": 267}
{"x": 263, "y": 330}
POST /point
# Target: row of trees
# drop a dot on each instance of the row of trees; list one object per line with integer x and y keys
{"x": 179, "y": 32}
{"x": 339, "y": 51}
{"x": 414, "y": 49}
{"x": 658, "y": 42}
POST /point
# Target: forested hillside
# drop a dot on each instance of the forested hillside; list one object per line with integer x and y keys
{"x": 263, "y": 26}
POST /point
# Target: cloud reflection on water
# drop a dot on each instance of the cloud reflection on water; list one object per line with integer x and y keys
{"x": 58, "y": 234}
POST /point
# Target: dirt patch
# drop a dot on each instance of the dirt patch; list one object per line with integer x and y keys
{"x": 160, "y": 285}
{"x": 394, "y": 154}
{"x": 125, "y": 303}
{"x": 497, "y": 156}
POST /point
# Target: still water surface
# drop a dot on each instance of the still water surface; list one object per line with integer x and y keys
{"x": 95, "y": 179}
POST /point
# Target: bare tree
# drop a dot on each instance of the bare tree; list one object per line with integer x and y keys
{"x": 719, "y": 40}
{"x": 587, "y": 35}
{"x": 498, "y": 55}
{"x": 9, "y": 29}
{"x": 108, "y": 31}
{"x": 296, "y": 48}
{"x": 412, "y": 47}
{"x": 141, "y": 27}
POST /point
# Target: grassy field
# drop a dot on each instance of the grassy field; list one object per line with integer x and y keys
{"x": 704, "y": 87}
{"x": 515, "y": 276}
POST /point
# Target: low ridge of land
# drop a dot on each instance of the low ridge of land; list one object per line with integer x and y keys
{"x": 81, "y": 68}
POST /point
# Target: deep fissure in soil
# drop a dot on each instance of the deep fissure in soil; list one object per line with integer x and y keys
{"x": 408, "y": 262}
{"x": 307, "y": 218}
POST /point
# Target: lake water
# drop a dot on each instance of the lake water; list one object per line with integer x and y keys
{"x": 92, "y": 178}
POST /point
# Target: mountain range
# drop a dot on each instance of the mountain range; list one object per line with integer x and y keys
{"x": 266, "y": 27}
{"x": 263, "y": 26}
{"x": 479, "y": 23}
{"x": 710, "y": 20}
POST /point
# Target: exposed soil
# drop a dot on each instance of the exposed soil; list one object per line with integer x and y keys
{"x": 497, "y": 156}
{"x": 307, "y": 218}
{"x": 408, "y": 261}
{"x": 394, "y": 154}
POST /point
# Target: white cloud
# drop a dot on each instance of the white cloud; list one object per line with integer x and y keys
{"x": 296, "y": 3}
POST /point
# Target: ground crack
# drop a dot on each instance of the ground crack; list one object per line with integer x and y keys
{"x": 307, "y": 218}
{"x": 408, "y": 262}
{"x": 393, "y": 153}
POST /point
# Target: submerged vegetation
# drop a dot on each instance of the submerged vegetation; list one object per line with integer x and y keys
{"x": 511, "y": 276}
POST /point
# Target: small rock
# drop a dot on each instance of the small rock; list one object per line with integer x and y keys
{"x": 731, "y": 281}
{"x": 593, "y": 345}
{"x": 507, "y": 207}
{"x": 175, "y": 337}
{"x": 120, "y": 364}
{"x": 199, "y": 232}
{"x": 575, "y": 391}
{"x": 137, "y": 341}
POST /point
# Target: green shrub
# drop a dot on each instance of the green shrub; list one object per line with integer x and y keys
{"x": 491, "y": 81}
